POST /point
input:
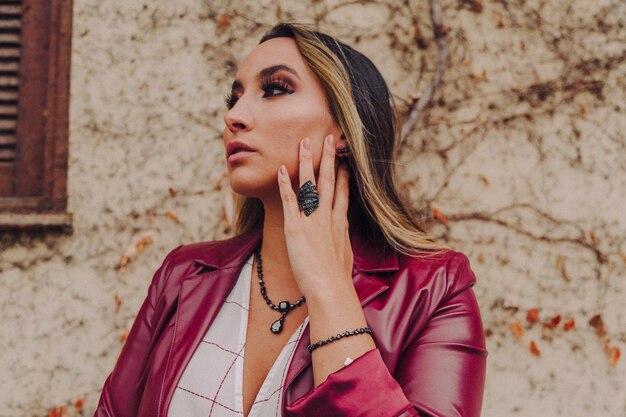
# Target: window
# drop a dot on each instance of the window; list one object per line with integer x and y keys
{"x": 35, "y": 38}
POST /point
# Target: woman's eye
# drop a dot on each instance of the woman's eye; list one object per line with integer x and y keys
{"x": 230, "y": 100}
{"x": 271, "y": 89}
{"x": 276, "y": 86}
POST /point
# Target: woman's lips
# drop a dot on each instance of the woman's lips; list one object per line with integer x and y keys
{"x": 238, "y": 156}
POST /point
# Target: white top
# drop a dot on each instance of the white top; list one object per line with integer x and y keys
{"x": 212, "y": 383}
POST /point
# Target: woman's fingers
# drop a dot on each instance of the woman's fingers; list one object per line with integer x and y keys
{"x": 306, "y": 162}
{"x": 326, "y": 180}
{"x": 291, "y": 211}
{"x": 342, "y": 194}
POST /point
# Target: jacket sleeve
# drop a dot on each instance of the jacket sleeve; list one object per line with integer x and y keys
{"x": 123, "y": 388}
{"x": 440, "y": 374}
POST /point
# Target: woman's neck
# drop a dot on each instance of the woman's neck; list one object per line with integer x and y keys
{"x": 280, "y": 279}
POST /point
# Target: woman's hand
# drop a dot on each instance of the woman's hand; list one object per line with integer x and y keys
{"x": 318, "y": 245}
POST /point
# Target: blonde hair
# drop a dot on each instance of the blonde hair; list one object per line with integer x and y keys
{"x": 364, "y": 110}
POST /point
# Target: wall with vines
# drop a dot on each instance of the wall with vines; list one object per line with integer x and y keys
{"x": 512, "y": 143}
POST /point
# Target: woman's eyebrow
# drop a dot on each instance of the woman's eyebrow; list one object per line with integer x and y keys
{"x": 267, "y": 72}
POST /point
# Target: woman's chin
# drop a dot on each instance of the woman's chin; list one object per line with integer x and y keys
{"x": 249, "y": 186}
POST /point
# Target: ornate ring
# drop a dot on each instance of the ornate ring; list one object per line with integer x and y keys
{"x": 308, "y": 197}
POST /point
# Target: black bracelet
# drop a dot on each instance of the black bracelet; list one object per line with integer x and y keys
{"x": 339, "y": 336}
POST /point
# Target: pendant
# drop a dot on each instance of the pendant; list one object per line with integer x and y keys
{"x": 277, "y": 326}
{"x": 284, "y": 306}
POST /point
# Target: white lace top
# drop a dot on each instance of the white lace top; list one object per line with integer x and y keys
{"x": 212, "y": 383}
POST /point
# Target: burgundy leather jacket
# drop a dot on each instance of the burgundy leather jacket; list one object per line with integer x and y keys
{"x": 430, "y": 356}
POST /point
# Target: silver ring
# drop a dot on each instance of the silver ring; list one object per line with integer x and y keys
{"x": 308, "y": 197}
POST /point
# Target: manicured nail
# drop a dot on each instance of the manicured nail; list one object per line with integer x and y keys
{"x": 329, "y": 139}
{"x": 305, "y": 143}
{"x": 283, "y": 170}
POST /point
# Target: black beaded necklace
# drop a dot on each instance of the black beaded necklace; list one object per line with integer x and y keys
{"x": 284, "y": 306}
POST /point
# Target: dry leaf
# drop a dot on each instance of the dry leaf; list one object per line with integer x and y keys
{"x": 223, "y": 22}
{"x": 598, "y": 324}
{"x": 58, "y": 411}
{"x": 143, "y": 242}
{"x": 534, "y": 349}
{"x": 554, "y": 321}
{"x": 479, "y": 76}
{"x": 173, "y": 216}
{"x": 593, "y": 237}
{"x": 532, "y": 315}
{"x": 172, "y": 192}
{"x": 135, "y": 248}
{"x": 614, "y": 355}
{"x": 560, "y": 264}
{"x": 124, "y": 260}
{"x": 517, "y": 329}
{"x": 569, "y": 325}
{"x": 118, "y": 303}
{"x": 440, "y": 216}
{"x": 123, "y": 336}
{"x": 78, "y": 404}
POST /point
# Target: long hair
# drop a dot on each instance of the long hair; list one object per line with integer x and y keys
{"x": 363, "y": 108}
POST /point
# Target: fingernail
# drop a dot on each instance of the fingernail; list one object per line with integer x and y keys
{"x": 283, "y": 170}
{"x": 329, "y": 139}
{"x": 305, "y": 143}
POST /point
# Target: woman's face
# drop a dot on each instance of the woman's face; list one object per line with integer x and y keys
{"x": 276, "y": 102}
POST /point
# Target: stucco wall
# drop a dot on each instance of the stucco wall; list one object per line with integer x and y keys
{"x": 521, "y": 153}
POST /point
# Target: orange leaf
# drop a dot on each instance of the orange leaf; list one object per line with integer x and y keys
{"x": 532, "y": 315}
{"x": 569, "y": 325}
{"x": 440, "y": 216}
{"x": 78, "y": 404}
{"x": 517, "y": 329}
{"x": 124, "y": 336}
{"x": 144, "y": 241}
{"x": 124, "y": 260}
{"x": 172, "y": 216}
{"x": 554, "y": 322}
{"x": 534, "y": 349}
{"x": 614, "y": 355}
{"x": 224, "y": 21}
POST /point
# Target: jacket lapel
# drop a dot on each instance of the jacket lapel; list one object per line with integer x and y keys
{"x": 202, "y": 294}
{"x": 200, "y": 297}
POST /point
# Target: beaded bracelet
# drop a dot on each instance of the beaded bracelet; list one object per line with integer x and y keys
{"x": 339, "y": 336}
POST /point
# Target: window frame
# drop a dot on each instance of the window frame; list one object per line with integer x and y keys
{"x": 41, "y": 150}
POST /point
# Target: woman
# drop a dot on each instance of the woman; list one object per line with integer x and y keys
{"x": 355, "y": 312}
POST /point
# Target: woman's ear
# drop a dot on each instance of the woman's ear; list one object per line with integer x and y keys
{"x": 343, "y": 149}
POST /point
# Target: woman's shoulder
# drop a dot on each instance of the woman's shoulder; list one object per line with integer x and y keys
{"x": 196, "y": 258}
{"x": 447, "y": 271}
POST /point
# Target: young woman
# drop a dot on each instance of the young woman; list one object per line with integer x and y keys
{"x": 331, "y": 300}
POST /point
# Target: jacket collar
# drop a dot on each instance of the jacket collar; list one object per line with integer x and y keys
{"x": 203, "y": 291}
{"x": 370, "y": 256}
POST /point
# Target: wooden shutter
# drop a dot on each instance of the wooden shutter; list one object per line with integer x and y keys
{"x": 35, "y": 40}
{"x": 10, "y": 25}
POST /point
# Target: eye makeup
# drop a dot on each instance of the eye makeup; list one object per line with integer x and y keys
{"x": 268, "y": 86}
{"x": 269, "y": 82}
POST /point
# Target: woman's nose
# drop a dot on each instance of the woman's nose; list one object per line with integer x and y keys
{"x": 236, "y": 119}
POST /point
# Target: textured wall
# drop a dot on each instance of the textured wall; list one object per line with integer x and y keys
{"x": 520, "y": 157}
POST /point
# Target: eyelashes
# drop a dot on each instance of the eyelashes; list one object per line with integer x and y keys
{"x": 267, "y": 86}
